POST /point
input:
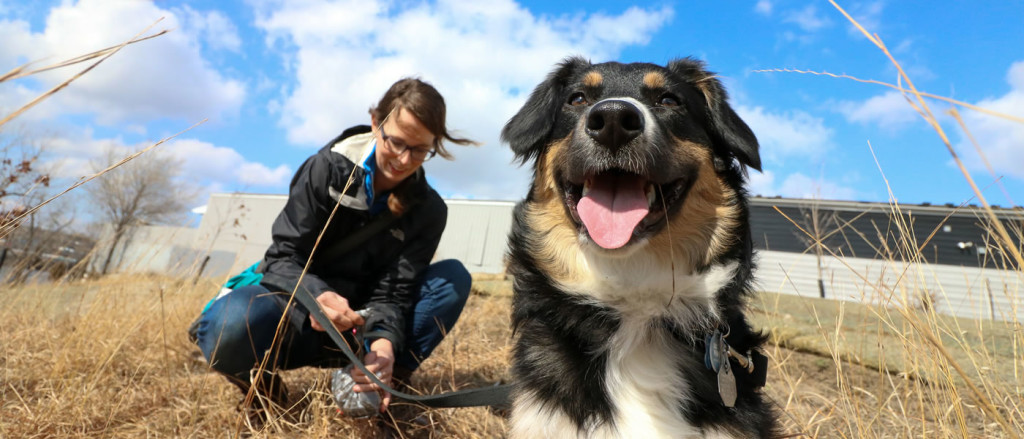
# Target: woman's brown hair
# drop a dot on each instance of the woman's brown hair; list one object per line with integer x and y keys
{"x": 426, "y": 103}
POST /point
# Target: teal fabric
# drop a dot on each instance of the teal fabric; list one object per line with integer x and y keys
{"x": 370, "y": 165}
{"x": 376, "y": 202}
{"x": 249, "y": 276}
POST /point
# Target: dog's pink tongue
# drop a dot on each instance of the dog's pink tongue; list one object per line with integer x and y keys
{"x": 612, "y": 209}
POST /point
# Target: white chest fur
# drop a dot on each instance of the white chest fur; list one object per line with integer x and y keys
{"x": 644, "y": 384}
{"x": 643, "y": 380}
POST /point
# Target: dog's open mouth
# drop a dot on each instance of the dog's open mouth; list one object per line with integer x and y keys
{"x": 614, "y": 206}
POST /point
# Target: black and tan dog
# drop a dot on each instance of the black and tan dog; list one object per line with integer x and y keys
{"x": 632, "y": 258}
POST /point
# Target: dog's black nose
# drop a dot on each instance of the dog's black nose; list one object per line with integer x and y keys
{"x": 613, "y": 123}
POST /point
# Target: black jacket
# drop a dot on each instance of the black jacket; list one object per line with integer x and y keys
{"x": 385, "y": 270}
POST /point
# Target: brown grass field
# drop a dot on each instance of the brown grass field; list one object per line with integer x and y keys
{"x": 109, "y": 358}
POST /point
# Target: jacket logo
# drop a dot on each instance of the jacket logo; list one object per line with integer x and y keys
{"x": 398, "y": 234}
{"x": 357, "y": 202}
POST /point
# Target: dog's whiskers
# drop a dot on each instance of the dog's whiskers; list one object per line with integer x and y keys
{"x": 633, "y": 162}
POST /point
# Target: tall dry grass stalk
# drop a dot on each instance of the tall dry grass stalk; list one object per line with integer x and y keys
{"x": 101, "y": 54}
{"x": 109, "y": 358}
{"x": 938, "y": 376}
{"x": 7, "y": 225}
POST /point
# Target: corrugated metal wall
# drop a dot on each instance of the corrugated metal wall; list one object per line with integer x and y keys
{"x": 874, "y": 230}
{"x": 955, "y": 290}
{"x": 235, "y": 231}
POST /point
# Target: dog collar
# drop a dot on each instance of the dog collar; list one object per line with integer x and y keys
{"x": 717, "y": 354}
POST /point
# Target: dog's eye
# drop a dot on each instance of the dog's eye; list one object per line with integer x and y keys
{"x": 577, "y": 99}
{"x": 667, "y": 100}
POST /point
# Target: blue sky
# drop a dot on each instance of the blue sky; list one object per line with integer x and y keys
{"x": 277, "y": 79}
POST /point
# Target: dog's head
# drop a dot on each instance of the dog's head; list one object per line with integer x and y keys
{"x": 627, "y": 150}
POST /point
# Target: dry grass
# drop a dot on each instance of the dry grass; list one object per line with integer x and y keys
{"x": 879, "y": 375}
{"x": 109, "y": 358}
{"x": 937, "y": 376}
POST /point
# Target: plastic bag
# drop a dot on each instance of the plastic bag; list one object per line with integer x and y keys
{"x": 351, "y": 403}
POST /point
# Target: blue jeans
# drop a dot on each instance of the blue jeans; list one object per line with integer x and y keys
{"x": 238, "y": 329}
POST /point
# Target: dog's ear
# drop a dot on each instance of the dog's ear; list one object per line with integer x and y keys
{"x": 727, "y": 129}
{"x": 527, "y": 132}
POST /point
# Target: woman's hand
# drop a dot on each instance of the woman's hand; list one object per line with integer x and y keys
{"x": 336, "y": 308}
{"x": 381, "y": 362}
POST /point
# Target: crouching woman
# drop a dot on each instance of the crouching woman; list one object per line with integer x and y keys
{"x": 414, "y": 303}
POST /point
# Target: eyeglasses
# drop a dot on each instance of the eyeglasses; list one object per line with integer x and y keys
{"x": 399, "y": 147}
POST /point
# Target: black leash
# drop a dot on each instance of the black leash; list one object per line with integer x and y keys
{"x": 496, "y": 396}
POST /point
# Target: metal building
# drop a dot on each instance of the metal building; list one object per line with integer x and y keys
{"x": 939, "y": 257}
{"x": 947, "y": 235}
{"x": 235, "y": 232}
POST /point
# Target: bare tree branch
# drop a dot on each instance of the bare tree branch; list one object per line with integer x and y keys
{"x": 7, "y": 225}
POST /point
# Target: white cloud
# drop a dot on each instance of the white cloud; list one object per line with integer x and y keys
{"x": 1015, "y": 76}
{"x": 258, "y": 174}
{"x": 202, "y": 163}
{"x": 1001, "y": 140}
{"x": 763, "y": 7}
{"x": 761, "y": 183}
{"x": 14, "y": 95}
{"x": 484, "y": 57}
{"x": 808, "y": 19}
{"x": 166, "y": 77}
{"x": 69, "y": 156}
{"x": 208, "y": 162}
{"x": 801, "y": 186}
{"x": 213, "y": 29}
{"x": 890, "y": 110}
{"x": 869, "y": 15}
{"x": 789, "y": 134}
{"x": 16, "y": 36}
{"x": 798, "y": 185}
{"x": 905, "y": 45}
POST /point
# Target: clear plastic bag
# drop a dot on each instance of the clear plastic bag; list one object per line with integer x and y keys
{"x": 351, "y": 403}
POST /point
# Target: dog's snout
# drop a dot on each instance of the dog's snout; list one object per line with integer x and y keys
{"x": 613, "y": 123}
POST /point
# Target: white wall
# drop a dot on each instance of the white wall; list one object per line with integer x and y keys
{"x": 235, "y": 230}
{"x": 477, "y": 234}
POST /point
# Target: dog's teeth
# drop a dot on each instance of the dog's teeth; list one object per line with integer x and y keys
{"x": 586, "y": 187}
{"x": 650, "y": 195}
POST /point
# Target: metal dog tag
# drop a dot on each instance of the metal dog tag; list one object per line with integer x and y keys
{"x": 714, "y": 351}
{"x": 727, "y": 384}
